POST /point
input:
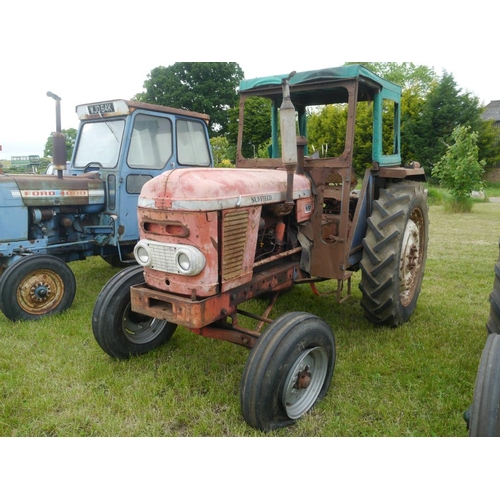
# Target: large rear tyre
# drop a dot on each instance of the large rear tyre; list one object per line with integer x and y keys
{"x": 493, "y": 324}
{"x": 288, "y": 370}
{"x": 118, "y": 330}
{"x": 394, "y": 253}
{"x": 484, "y": 414}
{"x": 36, "y": 286}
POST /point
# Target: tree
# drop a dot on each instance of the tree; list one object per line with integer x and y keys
{"x": 489, "y": 142}
{"x": 205, "y": 87}
{"x": 409, "y": 76}
{"x": 459, "y": 169}
{"x": 221, "y": 151}
{"x": 416, "y": 82}
{"x": 257, "y": 126}
{"x": 445, "y": 108}
{"x": 70, "y": 135}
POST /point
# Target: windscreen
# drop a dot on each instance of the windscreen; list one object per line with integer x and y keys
{"x": 99, "y": 142}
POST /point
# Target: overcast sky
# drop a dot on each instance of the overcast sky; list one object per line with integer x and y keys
{"x": 99, "y": 50}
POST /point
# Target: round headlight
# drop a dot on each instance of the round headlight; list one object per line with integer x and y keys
{"x": 190, "y": 261}
{"x": 183, "y": 261}
{"x": 142, "y": 255}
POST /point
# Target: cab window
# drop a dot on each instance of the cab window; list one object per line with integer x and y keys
{"x": 151, "y": 142}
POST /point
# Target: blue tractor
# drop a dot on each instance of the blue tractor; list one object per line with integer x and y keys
{"x": 47, "y": 221}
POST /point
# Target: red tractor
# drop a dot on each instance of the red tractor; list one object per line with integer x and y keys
{"x": 212, "y": 239}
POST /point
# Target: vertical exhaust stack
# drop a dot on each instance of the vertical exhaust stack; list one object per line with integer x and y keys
{"x": 288, "y": 137}
{"x": 58, "y": 140}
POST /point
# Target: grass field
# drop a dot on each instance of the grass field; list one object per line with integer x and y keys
{"x": 415, "y": 380}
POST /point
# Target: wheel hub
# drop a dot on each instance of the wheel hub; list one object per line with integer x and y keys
{"x": 304, "y": 382}
{"x": 40, "y": 292}
{"x": 410, "y": 259}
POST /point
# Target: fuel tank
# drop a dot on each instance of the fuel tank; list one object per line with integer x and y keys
{"x": 86, "y": 192}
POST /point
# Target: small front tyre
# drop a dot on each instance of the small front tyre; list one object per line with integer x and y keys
{"x": 36, "y": 286}
{"x": 288, "y": 370}
{"x": 118, "y": 330}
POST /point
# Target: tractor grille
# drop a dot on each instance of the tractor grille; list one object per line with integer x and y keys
{"x": 163, "y": 257}
{"x": 235, "y": 229}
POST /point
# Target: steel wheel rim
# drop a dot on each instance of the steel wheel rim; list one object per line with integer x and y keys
{"x": 40, "y": 291}
{"x": 297, "y": 401}
{"x": 140, "y": 329}
{"x": 411, "y": 257}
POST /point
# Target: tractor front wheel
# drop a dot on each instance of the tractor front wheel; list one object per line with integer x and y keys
{"x": 36, "y": 286}
{"x": 394, "y": 253}
{"x": 119, "y": 331}
{"x": 288, "y": 370}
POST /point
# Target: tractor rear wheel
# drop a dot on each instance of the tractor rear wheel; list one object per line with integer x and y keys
{"x": 484, "y": 413}
{"x": 36, "y": 286}
{"x": 394, "y": 253}
{"x": 493, "y": 324}
{"x": 288, "y": 370}
{"x": 118, "y": 330}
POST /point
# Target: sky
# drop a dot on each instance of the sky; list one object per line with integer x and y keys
{"x": 100, "y": 50}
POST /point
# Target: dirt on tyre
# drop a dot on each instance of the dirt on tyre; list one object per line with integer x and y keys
{"x": 394, "y": 253}
{"x": 289, "y": 369}
{"x": 36, "y": 286}
{"x": 119, "y": 331}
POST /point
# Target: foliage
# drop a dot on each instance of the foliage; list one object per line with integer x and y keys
{"x": 459, "y": 169}
{"x": 326, "y": 130}
{"x": 445, "y": 107}
{"x": 435, "y": 195}
{"x": 409, "y": 76}
{"x": 489, "y": 142}
{"x": 44, "y": 163}
{"x": 222, "y": 151}
{"x": 257, "y": 130}
{"x": 205, "y": 87}
{"x": 70, "y": 134}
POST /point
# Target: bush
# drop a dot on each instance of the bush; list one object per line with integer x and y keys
{"x": 459, "y": 170}
{"x": 435, "y": 195}
{"x": 455, "y": 206}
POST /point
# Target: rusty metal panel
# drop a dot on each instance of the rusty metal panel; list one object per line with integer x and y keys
{"x": 179, "y": 310}
{"x": 239, "y": 240}
{"x": 198, "y": 313}
{"x": 304, "y": 209}
{"x": 235, "y": 229}
{"x": 197, "y": 229}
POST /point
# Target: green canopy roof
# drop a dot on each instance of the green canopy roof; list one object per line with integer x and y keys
{"x": 354, "y": 71}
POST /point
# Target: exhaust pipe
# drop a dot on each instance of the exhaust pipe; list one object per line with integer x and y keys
{"x": 58, "y": 140}
{"x": 288, "y": 138}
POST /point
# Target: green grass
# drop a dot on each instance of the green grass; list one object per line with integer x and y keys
{"x": 492, "y": 189}
{"x": 441, "y": 196}
{"x": 415, "y": 380}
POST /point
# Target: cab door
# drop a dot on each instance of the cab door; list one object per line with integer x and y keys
{"x": 155, "y": 143}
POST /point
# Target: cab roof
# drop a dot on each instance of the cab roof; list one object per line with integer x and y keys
{"x": 320, "y": 85}
{"x": 117, "y": 107}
